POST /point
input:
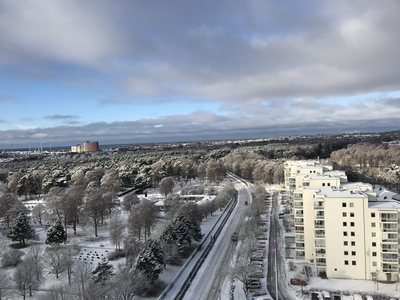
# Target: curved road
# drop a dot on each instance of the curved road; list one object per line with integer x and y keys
{"x": 277, "y": 274}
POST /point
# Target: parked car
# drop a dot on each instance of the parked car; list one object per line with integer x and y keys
{"x": 336, "y": 297}
{"x": 298, "y": 281}
{"x": 316, "y": 296}
{"x": 326, "y": 295}
{"x": 357, "y": 297}
{"x": 253, "y": 284}
{"x": 369, "y": 297}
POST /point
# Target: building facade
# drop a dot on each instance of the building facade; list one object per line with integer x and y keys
{"x": 86, "y": 147}
{"x": 346, "y": 229}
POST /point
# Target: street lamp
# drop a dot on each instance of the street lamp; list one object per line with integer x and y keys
{"x": 375, "y": 279}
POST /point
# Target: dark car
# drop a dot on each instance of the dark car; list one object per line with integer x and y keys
{"x": 297, "y": 281}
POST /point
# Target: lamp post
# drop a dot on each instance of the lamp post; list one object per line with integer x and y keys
{"x": 375, "y": 279}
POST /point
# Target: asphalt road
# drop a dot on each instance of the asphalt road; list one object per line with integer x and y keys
{"x": 276, "y": 273}
{"x": 207, "y": 283}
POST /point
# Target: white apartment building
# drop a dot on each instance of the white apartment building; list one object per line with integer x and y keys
{"x": 348, "y": 230}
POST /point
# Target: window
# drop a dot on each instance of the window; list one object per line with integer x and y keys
{"x": 344, "y": 204}
{"x": 345, "y": 243}
{"x": 352, "y": 224}
{"x": 353, "y": 262}
{"x": 353, "y": 253}
{"x": 351, "y": 204}
{"x": 353, "y": 243}
{"x": 344, "y": 223}
{"x": 351, "y": 214}
{"x": 344, "y": 214}
{"x": 344, "y": 233}
{"x": 346, "y": 262}
{"x": 373, "y": 244}
{"x": 372, "y": 215}
{"x": 373, "y": 253}
{"x": 335, "y": 269}
{"x": 373, "y": 234}
{"x": 329, "y": 184}
{"x": 373, "y": 224}
{"x": 346, "y": 252}
{"x": 353, "y": 233}
{"x": 374, "y": 264}
{"x": 323, "y": 184}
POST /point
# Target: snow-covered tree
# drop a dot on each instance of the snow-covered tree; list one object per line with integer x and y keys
{"x": 21, "y": 231}
{"x": 151, "y": 261}
{"x": 102, "y": 272}
{"x": 166, "y": 186}
{"x": 56, "y": 234}
{"x": 117, "y": 226}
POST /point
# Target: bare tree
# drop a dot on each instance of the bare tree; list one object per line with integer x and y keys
{"x": 117, "y": 226}
{"x": 35, "y": 253}
{"x": 38, "y": 212}
{"x": 82, "y": 278}
{"x": 94, "y": 207}
{"x": 25, "y": 277}
{"x": 166, "y": 186}
{"x": 5, "y": 286}
{"x": 67, "y": 260}
{"x": 53, "y": 258}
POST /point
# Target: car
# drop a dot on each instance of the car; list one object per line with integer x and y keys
{"x": 316, "y": 296}
{"x": 253, "y": 284}
{"x": 326, "y": 295}
{"x": 357, "y": 297}
{"x": 298, "y": 281}
{"x": 369, "y": 297}
{"x": 336, "y": 297}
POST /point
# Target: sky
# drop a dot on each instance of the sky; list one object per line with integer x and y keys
{"x": 128, "y": 71}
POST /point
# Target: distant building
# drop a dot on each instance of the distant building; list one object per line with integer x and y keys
{"x": 86, "y": 147}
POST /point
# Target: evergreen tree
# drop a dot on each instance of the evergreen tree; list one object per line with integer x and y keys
{"x": 21, "y": 230}
{"x": 102, "y": 272}
{"x": 151, "y": 261}
{"x": 56, "y": 234}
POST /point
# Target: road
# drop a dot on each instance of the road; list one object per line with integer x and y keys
{"x": 207, "y": 283}
{"x": 276, "y": 273}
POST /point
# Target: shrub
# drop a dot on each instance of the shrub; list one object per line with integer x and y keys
{"x": 11, "y": 258}
{"x": 115, "y": 254}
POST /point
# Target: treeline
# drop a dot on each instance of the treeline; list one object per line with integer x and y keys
{"x": 373, "y": 163}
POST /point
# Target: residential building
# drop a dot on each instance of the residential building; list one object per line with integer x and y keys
{"x": 346, "y": 229}
{"x": 86, "y": 147}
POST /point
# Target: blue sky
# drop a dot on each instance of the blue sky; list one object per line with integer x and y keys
{"x": 133, "y": 71}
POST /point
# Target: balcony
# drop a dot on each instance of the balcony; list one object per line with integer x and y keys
{"x": 320, "y": 262}
{"x": 388, "y": 227}
{"x": 390, "y": 241}
{"x": 300, "y": 246}
{"x": 300, "y": 255}
{"x": 297, "y": 215}
{"x": 319, "y": 207}
{"x": 320, "y": 244}
{"x": 319, "y": 236}
{"x": 320, "y": 217}
{"x": 386, "y": 249}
